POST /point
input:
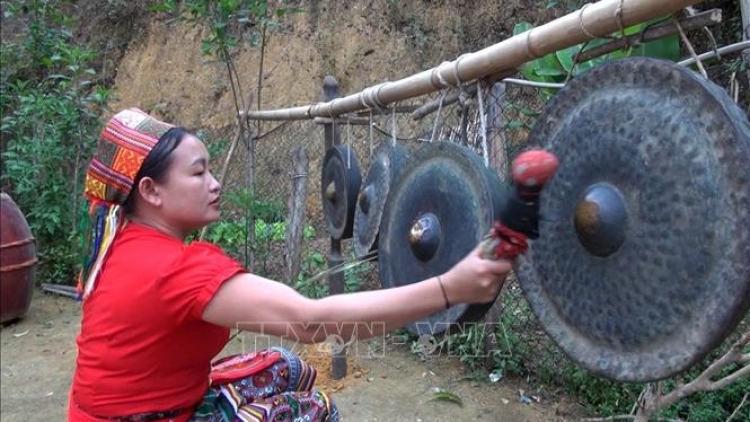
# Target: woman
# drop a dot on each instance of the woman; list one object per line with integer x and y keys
{"x": 156, "y": 310}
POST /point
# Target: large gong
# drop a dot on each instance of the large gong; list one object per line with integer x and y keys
{"x": 385, "y": 166}
{"x": 439, "y": 209}
{"x": 642, "y": 266}
{"x": 340, "y": 181}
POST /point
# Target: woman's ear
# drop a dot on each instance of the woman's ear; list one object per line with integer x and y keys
{"x": 149, "y": 191}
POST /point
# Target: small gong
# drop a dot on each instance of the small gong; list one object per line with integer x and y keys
{"x": 340, "y": 183}
{"x": 642, "y": 266}
{"x": 438, "y": 210}
{"x": 387, "y": 162}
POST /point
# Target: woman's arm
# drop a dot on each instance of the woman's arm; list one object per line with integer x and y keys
{"x": 265, "y": 306}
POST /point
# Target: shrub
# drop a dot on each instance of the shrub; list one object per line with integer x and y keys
{"x": 50, "y": 115}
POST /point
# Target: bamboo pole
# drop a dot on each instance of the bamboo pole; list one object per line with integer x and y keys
{"x": 591, "y": 21}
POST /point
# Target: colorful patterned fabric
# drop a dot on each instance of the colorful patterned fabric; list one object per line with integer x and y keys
{"x": 281, "y": 392}
{"x": 124, "y": 143}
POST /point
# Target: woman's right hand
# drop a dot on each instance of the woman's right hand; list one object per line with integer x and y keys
{"x": 475, "y": 279}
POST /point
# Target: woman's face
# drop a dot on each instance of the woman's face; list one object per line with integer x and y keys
{"x": 189, "y": 193}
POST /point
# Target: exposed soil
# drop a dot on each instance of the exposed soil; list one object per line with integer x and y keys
{"x": 384, "y": 381}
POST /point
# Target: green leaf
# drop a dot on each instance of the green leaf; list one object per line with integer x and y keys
{"x": 566, "y": 57}
{"x": 165, "y": 6}
{"x": 549, "y": 66}
{"x": 521, "y": 27}
{"x": 666, "y": 48}
{"x": 528, "y": 112}
{"x": 442, "y": 395}
{"x": 544, "y": 69}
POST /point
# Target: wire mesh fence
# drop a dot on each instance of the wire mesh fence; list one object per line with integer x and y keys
{"x": 508, "y": 114}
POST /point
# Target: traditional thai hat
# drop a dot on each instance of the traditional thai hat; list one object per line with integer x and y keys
{"x": 124, "y": 143}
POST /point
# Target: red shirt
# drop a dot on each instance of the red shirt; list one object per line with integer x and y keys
{"x": 143, "y": 346}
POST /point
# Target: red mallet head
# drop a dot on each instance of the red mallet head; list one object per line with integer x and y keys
{"x": 533, "y": 168}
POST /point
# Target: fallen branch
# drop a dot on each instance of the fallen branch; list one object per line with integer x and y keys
{"x": 737, "y": 409}
{"x": 702, "y": 383}
{"x": 650, "y": 401}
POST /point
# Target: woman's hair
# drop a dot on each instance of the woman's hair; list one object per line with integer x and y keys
{"x": 157, "y": 162}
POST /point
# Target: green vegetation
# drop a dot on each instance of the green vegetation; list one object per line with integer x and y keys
{"x": 232, "y": 235}
{"x": 310, "y": 284}
{"x": 50, "y": 107}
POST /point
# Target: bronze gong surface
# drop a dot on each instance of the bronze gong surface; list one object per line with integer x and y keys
{"x": 340, "y": 182}
{"x": 642, "y": 266}
{"x": 387, "y": 162}
{"x": 439, "y": 209}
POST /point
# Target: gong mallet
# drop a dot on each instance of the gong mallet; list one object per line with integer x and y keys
{"x": 519, "y": 218}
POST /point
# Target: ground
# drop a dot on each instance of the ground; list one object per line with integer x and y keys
{"x": 384, "y": 382}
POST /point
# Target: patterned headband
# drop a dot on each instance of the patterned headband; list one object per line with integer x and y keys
{"x": 123, "y": 145}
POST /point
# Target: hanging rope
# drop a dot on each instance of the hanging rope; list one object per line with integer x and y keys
{"x": 463, "y": 96}
{"x": 690, "y": 48}
{"x": 441, "y": 82}
{"x": 527, "y": 46}
{"x": 333, "y": 132}
{"x": 369, "y": 129}
{"x": 437, "y": 115}
{"x": 393, "y": 125}
{"x": 621, "y": 25}
{"x": 348, "y": 144}
{"x": 580, "y": 20}
{"x": 482, "y": 123}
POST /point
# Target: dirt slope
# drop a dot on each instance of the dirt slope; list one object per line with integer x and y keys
{"x": 360, "y": 42}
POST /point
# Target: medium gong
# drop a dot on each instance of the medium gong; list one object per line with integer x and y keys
{"x": 438, "y": 210}
{"x": 387, "y": 162}
{"x": 642, "y": 266}
{"x": 340, "y": 183}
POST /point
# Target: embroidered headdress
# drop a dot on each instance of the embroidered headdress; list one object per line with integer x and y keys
{"x": 123, "y": 145}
